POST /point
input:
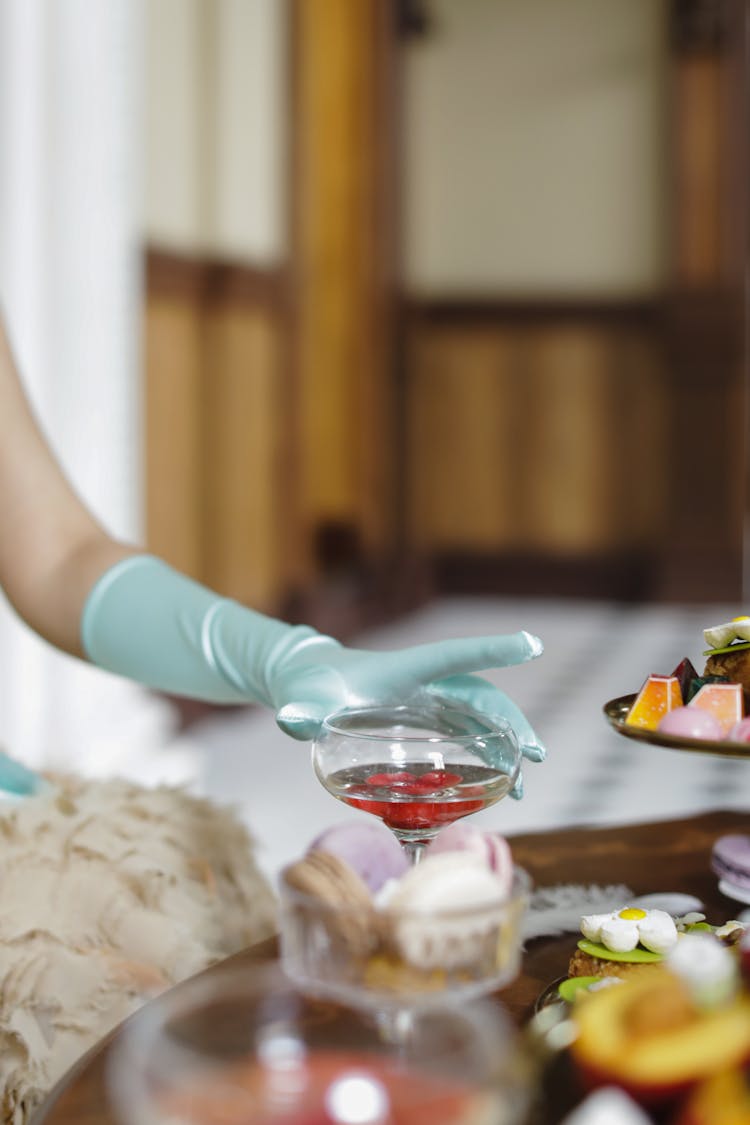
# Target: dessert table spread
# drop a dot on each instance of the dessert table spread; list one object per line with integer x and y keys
{"x": 657, "y": 856}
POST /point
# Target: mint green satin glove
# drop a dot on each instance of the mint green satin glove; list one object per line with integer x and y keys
{"x": 147, "y": 621}
{"x": 18, "y": 781}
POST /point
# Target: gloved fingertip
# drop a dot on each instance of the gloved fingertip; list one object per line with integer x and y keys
{"x": 300, "y": 729}
{"x": 517, "y": 790}
{"x": 534, "y": 751}
{"x": 535, "y": 645}
{"x": 298, "y": 722}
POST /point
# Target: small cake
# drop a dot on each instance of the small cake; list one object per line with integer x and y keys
{"x": 616, "y": 944}
{"x": 661, "y": 1033}
{"x": 632, "y": 939}
{"x": 728, "y": 654}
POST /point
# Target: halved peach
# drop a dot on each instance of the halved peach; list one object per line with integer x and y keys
{"x": 647, "y": 1037}
{"x": 723, "y": 1099}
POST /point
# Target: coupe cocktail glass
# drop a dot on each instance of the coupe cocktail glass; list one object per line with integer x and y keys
{"x": 416, "y": 767}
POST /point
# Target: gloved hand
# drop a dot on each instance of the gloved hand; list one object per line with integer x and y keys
{"x": 18, "y": 781}
{"x": 147, "y": 621}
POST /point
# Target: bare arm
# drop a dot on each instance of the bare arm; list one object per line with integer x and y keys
{"x": 52, "y": 550}
{"x": 154, "y": 625}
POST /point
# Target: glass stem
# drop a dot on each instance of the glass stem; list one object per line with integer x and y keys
{"x": 394, "y": 1025}
{"x": 414, "y": 849}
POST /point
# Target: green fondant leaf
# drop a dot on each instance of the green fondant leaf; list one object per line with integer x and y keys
{"x": 735, "y": 647}
{"x": 635, "y": 956}
{"x": 568, "y": 988}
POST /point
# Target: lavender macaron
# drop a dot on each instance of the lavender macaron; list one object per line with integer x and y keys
{"x": 368, "y": 847}
{"x": 730, "y": 860}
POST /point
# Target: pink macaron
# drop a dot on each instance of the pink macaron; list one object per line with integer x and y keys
{"x": 490, "y": 846}
{"x": 740, "y": 732}
{"x": 691, "y": 722}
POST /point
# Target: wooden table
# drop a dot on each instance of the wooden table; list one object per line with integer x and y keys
{"x": 659, "y": 856}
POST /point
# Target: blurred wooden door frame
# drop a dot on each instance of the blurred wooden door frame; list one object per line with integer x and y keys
{"x": 302, "y": 364}
{"x": 272, "y": 448}
{"x": 343, "y": 288}
{"x": 705, "y": 338}
{"x": 657, "y": 509}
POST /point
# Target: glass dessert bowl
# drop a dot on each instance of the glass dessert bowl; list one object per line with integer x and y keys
{"x": 416, "y": 767}
{"x": 243, "y": 1044}
{"x": 449, "y": 925}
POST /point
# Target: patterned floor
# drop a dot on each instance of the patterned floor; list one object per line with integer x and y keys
{"x": 593, "y": 652}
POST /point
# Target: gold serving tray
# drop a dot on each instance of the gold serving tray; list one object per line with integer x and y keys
{"x": 617, "y": 709}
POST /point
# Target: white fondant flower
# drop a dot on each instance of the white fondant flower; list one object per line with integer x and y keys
{"x": 657, "y": 931}
{"x": 622, "y": 930}
{"x": 620, "y": 934}
{"x": 591, "y": 926}
{"x": 720, "y": 635}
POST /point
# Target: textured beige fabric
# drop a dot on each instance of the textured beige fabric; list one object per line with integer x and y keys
{"x": 108, "y": 894}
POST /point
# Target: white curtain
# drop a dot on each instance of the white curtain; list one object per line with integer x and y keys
{"x": 70, "y": 81}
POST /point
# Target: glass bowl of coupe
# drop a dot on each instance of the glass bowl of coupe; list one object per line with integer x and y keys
{"x": 417, "y": 767}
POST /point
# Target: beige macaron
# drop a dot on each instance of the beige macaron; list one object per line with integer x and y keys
{"x": 349, "y": 910}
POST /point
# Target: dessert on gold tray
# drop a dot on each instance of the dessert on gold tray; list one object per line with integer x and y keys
{"x": 698, "y": 711}
{"x": 360, "y": 923}
{"x": 729, "y": 653}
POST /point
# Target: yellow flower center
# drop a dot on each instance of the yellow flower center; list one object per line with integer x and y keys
{"x": 632, "y": 914}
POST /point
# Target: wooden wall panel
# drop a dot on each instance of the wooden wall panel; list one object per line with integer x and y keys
{"x": 640, "y": 417}
{"x": 244, "y": 506}
{"x": 567, "y": 483}
{"x": 706, "y": 339}
{"x": 542, "y": 439}
{"x": 173, "y": 439}
{"x": 583, "y": 422}
{"x": 699, "y": 169}
{"x": 217, "y": 426}
{"x": 462, "y": 436}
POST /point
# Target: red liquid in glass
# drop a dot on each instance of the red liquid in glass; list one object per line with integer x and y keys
{"x": 325, "y": 1087}
{"x": 420, "y": 797}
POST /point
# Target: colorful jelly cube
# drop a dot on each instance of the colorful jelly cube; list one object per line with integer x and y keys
{"x": 700, "y": 681}
{"x": 685, "y": 673}
{"x": 658, "y": 695}
{"x": 723, "y": 700}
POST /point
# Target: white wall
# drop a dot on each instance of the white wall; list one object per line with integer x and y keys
{"x": 533, "y": 141}
{"x": 175, "y": 93}
{"x": 215, "y": 128}
{"x": 534, "y": 147}
{"x": 70, "y": 87}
